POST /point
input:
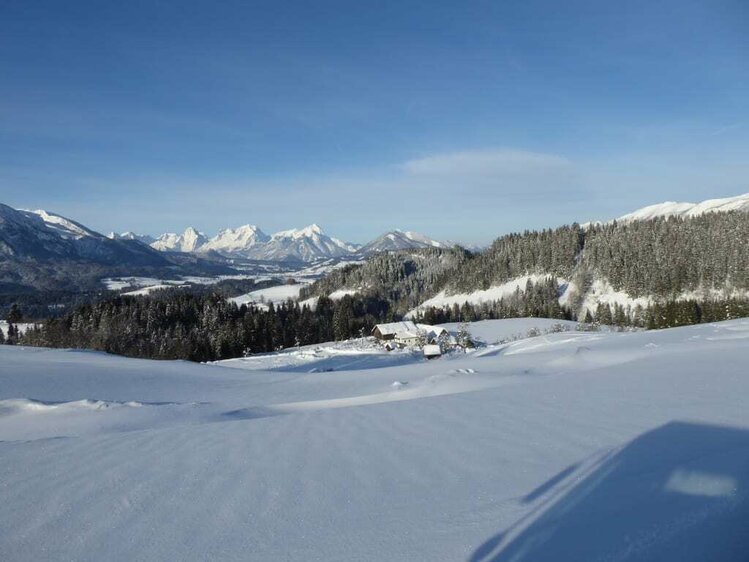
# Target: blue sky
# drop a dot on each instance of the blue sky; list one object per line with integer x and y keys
{"x": 464, "y": 120}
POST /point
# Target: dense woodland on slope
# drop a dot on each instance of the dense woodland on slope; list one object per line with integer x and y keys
{"x": 403, "y": 278}
{"x": 173, "y": 324}
{"x": 662, "y": 258}
{"x": 676, "y": 262}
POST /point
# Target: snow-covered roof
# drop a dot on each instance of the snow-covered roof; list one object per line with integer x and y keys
{"x": 431, "y": 331}
{"x": 432, "y": 350}
{"x": 396, "y": 328}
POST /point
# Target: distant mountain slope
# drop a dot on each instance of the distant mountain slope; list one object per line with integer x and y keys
{"x": 43, "y": 235}
{"x": 43, "y": 250}
{"x": 400, "y": 240}
{"x": 686, "y": 210}
{"x": 64, "y": 227}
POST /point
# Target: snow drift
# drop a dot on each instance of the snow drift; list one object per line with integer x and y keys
{"x": 566, "y": 446}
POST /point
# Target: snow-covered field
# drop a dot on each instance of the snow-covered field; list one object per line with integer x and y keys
{"x": 443, "y": 300}
{"x": 21, "y": 327}
{"x": 305, "y": 273}
{"x": 146, "y": 283}
{"x": 276, "y": 295}
{"x": 495, "y": 331}
{"x": 600, "y": 291}
{"x": 567, "y": 446}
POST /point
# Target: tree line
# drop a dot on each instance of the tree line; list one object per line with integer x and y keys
{"x": 200, "y": 327}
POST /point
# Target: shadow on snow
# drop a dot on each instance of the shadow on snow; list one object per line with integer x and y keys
{"x": 677, "y": 493}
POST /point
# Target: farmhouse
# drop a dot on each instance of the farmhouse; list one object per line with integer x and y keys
{"x": 401, "y": 331}
{"x": 434, "y": 334}
{"x": 409, "y": 333}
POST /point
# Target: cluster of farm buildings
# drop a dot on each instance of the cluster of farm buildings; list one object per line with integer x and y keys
{"x": 433, "y": 340}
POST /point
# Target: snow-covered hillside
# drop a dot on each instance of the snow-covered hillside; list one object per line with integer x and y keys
{"x": 64, "y": 227}
{"x": 400, "y": 240}
{"x": 567, "y": 446}
{"x": 687, "y": 210}
{"x": 600, "y": 291}
{"x": 28, "y": 236}
{"x": 495, "y": 293}
{"x": 276, "y": 295}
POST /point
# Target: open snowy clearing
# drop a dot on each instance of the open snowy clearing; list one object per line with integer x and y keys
{"x": 142, "y": 285}
{"x": 566, "y": 446}
{"x": 21, "y": 327}
{"x": 276, "y": 295}
{"x": 443, "y": 300}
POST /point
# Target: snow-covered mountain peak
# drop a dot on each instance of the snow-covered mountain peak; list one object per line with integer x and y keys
{"x": 400, "y": 240}
{"x": 310, "y": 231}
{"x": 245, "y": 229}
{"x": 192, "y": 239}
{"x": 144, "y": 238}
{"x": 306, "y": 244}
{"x": 236, "y": 240}
{"x": 189, "y": 241}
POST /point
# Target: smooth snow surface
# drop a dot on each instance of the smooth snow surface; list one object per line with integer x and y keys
{"x": 494, "y": 331}
{"x": 568, "y": 446}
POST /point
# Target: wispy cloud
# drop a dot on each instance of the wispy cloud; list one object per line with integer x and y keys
{"x": 497, "y": 173}
{"x": 721, "y": 130}
{"x": 488, "y": 163}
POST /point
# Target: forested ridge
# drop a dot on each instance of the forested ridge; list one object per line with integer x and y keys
{"x": 403, "y": 278}
{"x": 662, "y": 258}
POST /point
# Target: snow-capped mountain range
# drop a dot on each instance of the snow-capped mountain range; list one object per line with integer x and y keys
{"x": 44, "y": 235}
{"x": 304, "y": 244}
{"x": 311, "y": 243}
{"x": 250, "y": 242}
